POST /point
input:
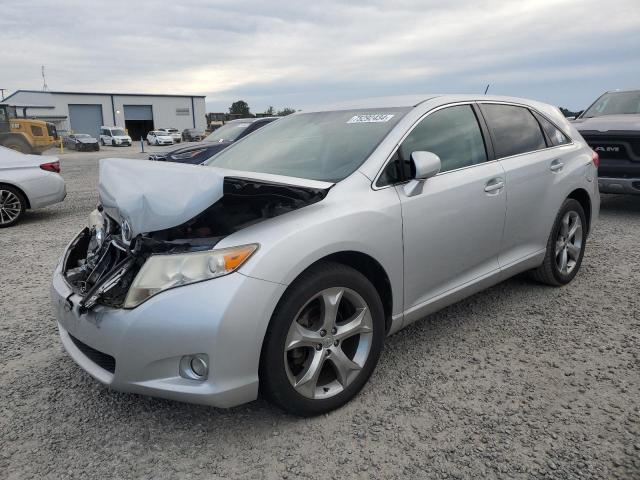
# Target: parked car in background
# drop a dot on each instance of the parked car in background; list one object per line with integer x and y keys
{"x": 215, "y": 142}
{"x": 611, "y": 127}
{"x": 192, "y": 135}
{"x": 27, "y": 182}
{"x": 81, "y": 142}
{"x": 173, "y": 132}
{"x": 114, "y": 136}
{"x": 283, "y": 264}
{"x": 157, "y": 137}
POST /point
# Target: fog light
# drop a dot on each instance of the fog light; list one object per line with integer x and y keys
{"x": 195, "y": 367}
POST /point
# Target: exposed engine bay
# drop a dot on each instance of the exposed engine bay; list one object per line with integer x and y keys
{"x": 102, "y": 262}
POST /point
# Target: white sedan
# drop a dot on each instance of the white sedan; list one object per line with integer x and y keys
{"x": 27, "y": 182}
{"x": 157, "y": 137}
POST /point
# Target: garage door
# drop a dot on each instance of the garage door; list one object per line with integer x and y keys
{"x": 138, "y": 112}
{"x": 85, "y": 118}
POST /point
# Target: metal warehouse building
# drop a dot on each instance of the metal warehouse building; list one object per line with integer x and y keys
{"x": 81, "y": 112}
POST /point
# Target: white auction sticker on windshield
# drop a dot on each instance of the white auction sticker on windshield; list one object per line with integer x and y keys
{"x": 371, "y": 118}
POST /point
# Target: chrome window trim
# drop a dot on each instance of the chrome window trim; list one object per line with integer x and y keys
{"x": 471, "y": 103}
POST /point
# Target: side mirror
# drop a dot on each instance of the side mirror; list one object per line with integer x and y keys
{"x": 427, "y": 165}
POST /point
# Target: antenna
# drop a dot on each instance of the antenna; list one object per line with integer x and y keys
{"x": 485, "y": 90}
{"x": 45, "y": 87}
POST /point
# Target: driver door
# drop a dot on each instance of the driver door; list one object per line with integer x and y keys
{"x": 453, "y": 227}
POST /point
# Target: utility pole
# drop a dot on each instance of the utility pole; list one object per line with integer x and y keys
{"x": 45, "y": 87}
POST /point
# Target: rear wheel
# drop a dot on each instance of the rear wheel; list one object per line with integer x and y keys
{"x": 565, "y": 247}
{"x": 323, "y": 342}
{"x": 12, "y": 205}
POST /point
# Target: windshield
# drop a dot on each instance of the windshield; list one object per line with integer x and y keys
{"x": 81, "y": 135}
{"x": 616, "y": 103}
{"x": 326, "y": 146}
{"x": 228, "y": 132}
{"x": 117, "y": 132}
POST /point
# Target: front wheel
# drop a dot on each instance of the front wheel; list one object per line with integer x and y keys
{"x": 323, "y": 342}
{"x": 565, "y": 246}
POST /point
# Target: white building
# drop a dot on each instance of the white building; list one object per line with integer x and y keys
{"x": 80, "y": 112}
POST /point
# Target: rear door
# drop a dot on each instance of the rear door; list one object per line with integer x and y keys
{"x": 532, "y": 166}
{"x": 453, "y": 229}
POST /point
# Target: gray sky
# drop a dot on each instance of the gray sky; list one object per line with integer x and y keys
{"x": 306, "y": 53}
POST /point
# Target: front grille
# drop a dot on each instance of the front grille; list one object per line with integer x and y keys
{"x": 103, "y": 360}
{"x": 614, "y": 145}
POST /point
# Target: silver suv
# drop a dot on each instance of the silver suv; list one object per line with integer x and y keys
{"x": 282, "y": 266}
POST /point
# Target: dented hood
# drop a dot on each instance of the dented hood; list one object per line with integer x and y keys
{"x": 153, "y": 196}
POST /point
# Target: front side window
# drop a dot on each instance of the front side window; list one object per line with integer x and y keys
{"x": 514, "y": 130}
{"x": 452, "y": 133}
{"x": 556, "y": 137}
{"x": 326, "y": 146}
{"x": 36, "y": 131}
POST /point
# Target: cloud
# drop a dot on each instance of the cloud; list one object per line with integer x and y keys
{"x": 305, "y": 53}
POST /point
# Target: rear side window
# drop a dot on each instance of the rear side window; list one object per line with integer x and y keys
{"x": 36, "y": 131}
{"x": 514, "y": 130}
{"x": 556, "y": 137}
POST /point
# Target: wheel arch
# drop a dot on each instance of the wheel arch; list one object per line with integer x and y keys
{"x": 371, "y": 269}
{"x": 24, "y": 195}
{"x": 582, "y": 197}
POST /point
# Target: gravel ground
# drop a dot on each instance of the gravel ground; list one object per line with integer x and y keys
{"x": 520, "y": 381}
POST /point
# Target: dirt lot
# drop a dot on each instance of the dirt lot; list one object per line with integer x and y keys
{"x": 521, "y": 381}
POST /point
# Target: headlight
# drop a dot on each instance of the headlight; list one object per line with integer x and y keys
{"x": 182, "y": 156}
{"x": 161, "y": 272}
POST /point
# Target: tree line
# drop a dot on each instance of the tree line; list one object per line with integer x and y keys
{"x": 241, "y": 107}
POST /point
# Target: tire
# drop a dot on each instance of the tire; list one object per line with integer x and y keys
{"x": 12, "y": 205}
{"x": 562, "y": 250}
{"x": 102, "y": 142}
{"x": 18, "y": 144}
{"x": 356, "y": 349}
{"x": 113, "y": 143}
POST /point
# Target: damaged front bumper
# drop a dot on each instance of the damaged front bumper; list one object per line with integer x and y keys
{"x": 139, "y": 350}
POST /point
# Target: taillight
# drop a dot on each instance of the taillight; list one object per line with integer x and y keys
{"x": 595, "y": 158}
{"x": 51, "y": 167}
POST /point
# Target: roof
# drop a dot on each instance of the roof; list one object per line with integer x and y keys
{"x": 105, "y": 93}
{"x": 410, "y": 101}
{"x": 251, "y": 119}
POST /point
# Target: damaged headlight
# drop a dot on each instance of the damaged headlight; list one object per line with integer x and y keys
{"x": 162, "y": 272}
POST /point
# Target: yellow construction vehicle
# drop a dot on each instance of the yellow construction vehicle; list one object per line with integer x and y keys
{"x": 24, "y": 134}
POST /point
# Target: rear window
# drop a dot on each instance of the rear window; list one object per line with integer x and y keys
{"x": 514, "y": 129}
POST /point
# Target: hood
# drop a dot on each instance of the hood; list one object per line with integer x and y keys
{"x": 197, "y": 146}
{"x": 607, "y": 123}
{"x": 155, "y": 196}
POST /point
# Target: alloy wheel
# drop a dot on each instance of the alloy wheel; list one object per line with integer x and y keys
{"x": 328, "y": 343}
{"x": 10, "y": 207}
{"x": 569, "y": 242}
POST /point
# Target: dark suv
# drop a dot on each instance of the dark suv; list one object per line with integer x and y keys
{"x": 196, "y": 153}
{"x": 611, "y": 127}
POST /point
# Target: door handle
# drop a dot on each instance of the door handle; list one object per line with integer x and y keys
{"x": 494, "y": 185}
{"x": 556, "y": 166}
